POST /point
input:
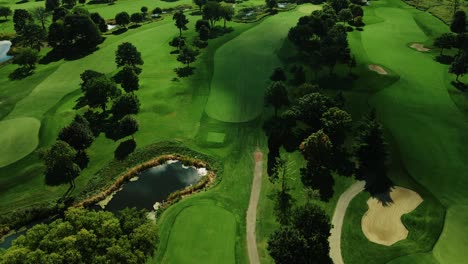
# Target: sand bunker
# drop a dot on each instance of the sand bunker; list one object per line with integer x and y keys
{"x": 419, "y": 47}
{"x": 382, "y": 224}
{"x": 378, "y": 69}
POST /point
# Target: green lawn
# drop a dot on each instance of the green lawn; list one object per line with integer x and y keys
{"x": 242, "y": 69}
{"x": 18, "y": 138}
{"x": 202, "y": 234}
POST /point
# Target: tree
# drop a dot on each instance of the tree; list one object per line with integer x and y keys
{"x": 305, "y": 241}
{"x": 97, "y": 89}
{"x": 316, "y": 148}
{"x": 311, "y": 107}
{"x": 128, "y": 126}
{"x": 77, "y": 134}
{"x": 177, "y": 42}
{"x": 21, "y": 18}
{"x": 227, "y": 12}
{"x": 338, "y": 5}
{"x": 80, "y": 32}
{"x": 157, "y": 11}
{"x": 334, "y": 47}
{"x": 136, "y": 18}
{"x": 122, "y": 19}
{"x": 335, "y": 123}
{"x": 271, "y": 4}
{"x": 459, "y": 22}
{"x": 27, "y": 58}
{"x": 180, "y": 21}
{"x": 199, "y": 3}
{"x": 444, "y": 41}
{"x": 283, "y": 199}
{"x": 278, "y": 75}
{"x": 33, "y": 36}
{"x": 356, "y": 10}
{"x": 5, "y": 11}
{"x": 459, "y": 65}
{"x": 204, "y": 33}
{"x": 371, "y": 153}
{"x": 59, "y": 13}
{"x": 42, "y": 15}
{"x": 126, "y": 104}
{"x": 127, "y": 54}
{"x": 187, "y": 55}
{"x": 69, "y": 3}
{"x": 144, "y": 11}
{"x": 212, "y": 12}
{"x": 318, "y": 178}
{"x": 99, "y": 21}
{"x": 51, "y": 5}
{"x": 56, "y": 35}
{"x": 59, "y": 161}
{"x": 129, "y": 79}
{"x": 345, "y": 15}
{"x": 277, "y": 96}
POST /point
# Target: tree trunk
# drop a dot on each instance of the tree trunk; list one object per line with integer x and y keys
{"x": 458, "y": 75}
{"x": 180, "y": 32}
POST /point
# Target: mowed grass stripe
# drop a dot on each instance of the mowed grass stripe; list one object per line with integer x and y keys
{"x": 18, "y": 138}
{"x": 202, "y": 234}
{"x": 242, "y": 68}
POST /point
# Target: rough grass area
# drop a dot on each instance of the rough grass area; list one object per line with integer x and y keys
{"x": 443, "y": 9}
{"x": 213, "y": 243}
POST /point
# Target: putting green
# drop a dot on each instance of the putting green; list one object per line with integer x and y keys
{"x": 18, "y": 138}
{"x": 202, "y": 234}
{"x": 242, "y": 68}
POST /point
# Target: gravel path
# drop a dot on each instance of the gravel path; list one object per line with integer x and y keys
{"x": 337, "y": 220}
{"x": 252, "y": 210}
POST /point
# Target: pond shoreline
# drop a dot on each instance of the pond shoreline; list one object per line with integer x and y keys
{"x": 206, "y": 181}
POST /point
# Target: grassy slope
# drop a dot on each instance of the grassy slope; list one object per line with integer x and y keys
{"x": 427, "y": 128}
{"x": 210, "y": 230}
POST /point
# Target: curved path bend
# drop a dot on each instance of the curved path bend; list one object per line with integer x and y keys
{"x": 337, "y": 220}
{"x": 252, "y": 210}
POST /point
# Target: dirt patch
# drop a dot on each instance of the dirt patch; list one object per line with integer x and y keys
{"x": 378, "y": 69}
{"x": 419, "y": 47}
{"x": 382, "y": 224}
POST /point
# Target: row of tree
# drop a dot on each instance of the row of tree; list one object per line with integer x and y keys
{"x": 65, "y": 159}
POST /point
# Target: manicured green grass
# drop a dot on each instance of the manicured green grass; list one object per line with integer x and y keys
{"x": 202, "y": 234}
{"x": 18, "y": 138}
{"x": 242, "y": 70}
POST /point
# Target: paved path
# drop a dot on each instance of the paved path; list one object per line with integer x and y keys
{"x": 252, "y": 210}
{"x": 337, "y": 220}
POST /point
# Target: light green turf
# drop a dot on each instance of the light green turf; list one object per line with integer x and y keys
{"x": 428, "y": 128}
{"x": 18, "y": 137}
{"x": 242, "y": 70}
{"x": 202, "y": 234}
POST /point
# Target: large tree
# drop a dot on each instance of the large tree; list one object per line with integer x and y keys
{"x": 128, "y": 79}
{"x": 444, "y": 41}
{"x": 136, "y": 18}
{"x": 180, "y": 21}
{"x": 459, "y": 66}
{"x": 128, "y": 126}
{"x": 371, "y": 154}
{"x": 77, "y": 134}
{"x": 5, "y": 11}
{"x": 27, "y": 59}
{"x": 200, "y": 3}
{"x": 122, "y": 19}
{"x": 33, "y": 36}
{"x": 97, "y": 89}
{"x": 51, "y": 5}
{"x": 187, "y": 55}
{"x": 127, "y": 54}
{"x": 99, "y": 21}
{"x": 459, "y": 22}
{"x": 336, "y": 123}
{"x": 212, "y": 12}
{"x": 42, "y": 15}
{"x": 81, "y": 32}
{"x": 59, "y": 161}
{"x": 21, "y": 18}
{"x": 277, "y": 96}
{"x": 311, "y": 107}
{"x": 227, "y": 12}
{"x": 126, "y": 104}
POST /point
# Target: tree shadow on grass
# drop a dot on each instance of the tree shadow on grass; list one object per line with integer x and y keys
{"x": 20, "y": 73}
{"x": 444, "y": 59}
{"x": 124, "y": 149}
{"x": 460, "y": 86}
{"x": 134, "y": 26}
{"x": 184, "y": 72}
{"x": 68, "y": 54}
{"x": 119, "y": 31}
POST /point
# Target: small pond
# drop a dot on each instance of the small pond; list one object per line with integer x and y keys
{"x": 4, "y": 48}
{"x": 153, "y": 186}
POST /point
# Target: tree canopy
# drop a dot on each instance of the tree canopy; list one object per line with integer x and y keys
{"x": 59, "y": 161}
{"x": 277, "y": 96}
{"x": 122, "y": 19}
{"x": 128, "y": 54}
{"x": 180, "y": 21}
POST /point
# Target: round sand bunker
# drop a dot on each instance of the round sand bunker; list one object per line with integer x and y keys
{"x": 378, "y": 69}
{"x": 382, "y": 224}
{"x": 419, "y": 47}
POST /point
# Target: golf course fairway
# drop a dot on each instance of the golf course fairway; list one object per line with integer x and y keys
{"x": 428, "y": 127}
{"x": 242, "y": 68}
{"x": 18, "y": 138}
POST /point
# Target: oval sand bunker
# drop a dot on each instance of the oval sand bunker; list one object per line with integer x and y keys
{"x": 378, "y": 69}
{"x": 382, "y": 224}
{"x": 419, "y": 47}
